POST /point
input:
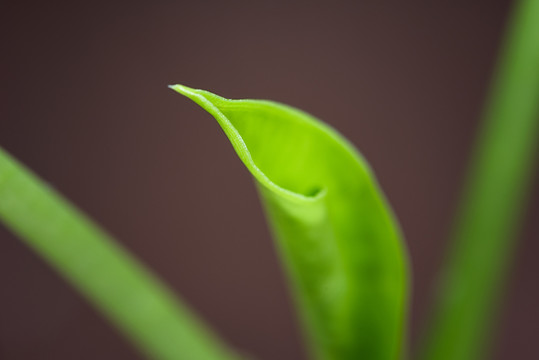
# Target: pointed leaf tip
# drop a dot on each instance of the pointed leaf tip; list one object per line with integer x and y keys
{"x": 182, "y": 89}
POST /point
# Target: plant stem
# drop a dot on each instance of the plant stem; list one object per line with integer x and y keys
{"x": 102, "y": 270}
{"x": 493, "y": 201}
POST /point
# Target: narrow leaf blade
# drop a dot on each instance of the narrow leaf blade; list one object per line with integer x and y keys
{"x": 128, "y": 294}
{"x": 493, "y": 200}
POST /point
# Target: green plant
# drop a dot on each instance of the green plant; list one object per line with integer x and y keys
{"x": 336, "y": 234}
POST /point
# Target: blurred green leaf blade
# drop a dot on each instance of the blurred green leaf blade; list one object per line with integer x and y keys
{"x": 493, "y": 200}
{"x": 158, "y": 323}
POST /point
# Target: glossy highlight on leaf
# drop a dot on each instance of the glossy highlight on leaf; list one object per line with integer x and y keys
{"x": 335, "y": 232}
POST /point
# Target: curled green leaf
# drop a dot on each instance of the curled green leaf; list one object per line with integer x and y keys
{"x": 335, "y": 232}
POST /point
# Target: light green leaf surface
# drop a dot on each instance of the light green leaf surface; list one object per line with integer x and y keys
{"x": 131, "y": 297}
{"x": 336, "y": 234}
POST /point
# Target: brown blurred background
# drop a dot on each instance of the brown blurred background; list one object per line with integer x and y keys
{"x": 84, "y": 103}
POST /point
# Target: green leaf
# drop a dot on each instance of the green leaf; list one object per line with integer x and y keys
{"x": 132, "y": 298}
{"x": 493, "y": 201}
{"x": 335, "y": 232}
